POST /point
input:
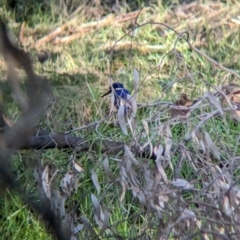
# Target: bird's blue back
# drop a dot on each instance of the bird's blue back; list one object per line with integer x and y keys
{"x": 122, "y": 93}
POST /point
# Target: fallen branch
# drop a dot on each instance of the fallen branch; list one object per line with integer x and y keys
{"x": 70, "y": 38}
{"x": 84, "y": 28}
{"x": 144, "y": 48}
{"x": 53, "y": 34}
{"x": 109, "y": 20}
{"x": 64, "y": 141}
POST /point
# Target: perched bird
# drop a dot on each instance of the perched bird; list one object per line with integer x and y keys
{"x": 121, "y": 96}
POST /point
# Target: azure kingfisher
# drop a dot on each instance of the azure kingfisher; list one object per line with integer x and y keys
{"x": 121, "y": 96}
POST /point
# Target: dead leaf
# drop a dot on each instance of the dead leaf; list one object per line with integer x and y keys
{"x": 96, "y": 205}
{"x": 183, "y": 101}
{"x": 136, "y": 80}
{"x": 182, "y": 183}
{"x": 121, "y": 119}
{"x": 123, "y": 183}
{"x": 212, "y": 146}
{"x": 186, "y": 213}
{"x": 77, "y": 167}
{"x": 158, "y": 151}
{"x": 226, "y": 206}
{"x": 178, "y": 112}
{"x": 87, "y": 224}
{"x": 235, "y": 96}
{"x": 161, "y": 171}
{"x": 95, "y": 181}
{"x": 65, "y": 184}
{"x": 168, "y": 141}
{"x": 129, "y": 155}
{"x": 232, "y": 92}
{"x": 215, "y": 102}
{"x": 133, "y": 101}
{"x": 230, "y": 88}
{"x": 158, "y": 161}
{"x": 98, "y": 213}
{"x": 146, "y": 128}
{"x": 161, "y": 201}
{"x": 112, "y": 99}
{"x": 45, "y": 182}
{"x": 148, "y": 143}
{"x": 105, "y": 221}
{"x": 108, "y": 171}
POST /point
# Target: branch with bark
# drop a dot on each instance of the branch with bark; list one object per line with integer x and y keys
{"x": 66, "y": 141}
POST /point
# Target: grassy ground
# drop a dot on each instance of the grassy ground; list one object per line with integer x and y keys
{"x": 79, "y": 73}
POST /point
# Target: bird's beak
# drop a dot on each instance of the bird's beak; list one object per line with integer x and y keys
{"x": 107, "y": 93}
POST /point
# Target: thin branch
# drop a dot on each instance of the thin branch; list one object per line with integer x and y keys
{"x": 210, "y": 115}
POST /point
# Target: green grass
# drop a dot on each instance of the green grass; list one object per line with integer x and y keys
{"x": 79, "y": 73}
{"x": 18, "y": 222}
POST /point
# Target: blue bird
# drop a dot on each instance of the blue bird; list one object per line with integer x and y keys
{"x": 121, "y": 95}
